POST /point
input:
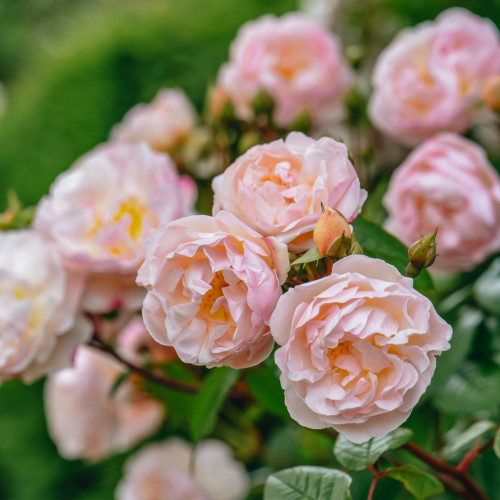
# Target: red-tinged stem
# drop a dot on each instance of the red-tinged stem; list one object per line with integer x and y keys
{"x": 473, "y": 454}
{"x": 176, "y": 385}
{"x": 474, "y": 492}
{"x": 372, "y": 488}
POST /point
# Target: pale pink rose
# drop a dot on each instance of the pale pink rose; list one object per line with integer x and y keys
{"x": 447, "y": 183}
{"x": 85, "y": 420}
{"x": 163, "y": 471}
{"x": 164, "y": 123}
{"x": 278, "y": 188}
{"x": 358, "y": 348}
{"x": 39, "y": 325}
{"x": 212, "y": 286}
{"x": 134, "y": 344}
{"x": 296, "y": 60}
{"x": 100, "y": 212}
{"x": 429, "y": 79}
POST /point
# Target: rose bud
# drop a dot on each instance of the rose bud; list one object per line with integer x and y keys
{"x": 422, "y": 254}
{"x": 330, "y": 227}
{"x": 491, "y": 93}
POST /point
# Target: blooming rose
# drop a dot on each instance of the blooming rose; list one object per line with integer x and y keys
{"x": 295, "y": 60}
{"x": 278, "y": 188}
{"x": 358, "y": 348}
{"x": 448, "y": 183}
{"x": 39, "y": 328}
{"x": 163, "y": 124}
{"x": 99, "y": 213}
{"x": 430, "y": 78}
{"x": 212, "y": 285}
{"x": 85, "y": 420}
{"x": 162, "y": 472}
{"x": 134, "y": 341}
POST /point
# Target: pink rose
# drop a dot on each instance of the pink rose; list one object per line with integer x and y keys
{"x": 278, "y": 188}
{"x": 99, "y": 213}
{"x": 161, "y": 471}
{"x": 134, "y": 343}
{"x": 85, "y": 420}
{"x": 39, "y": 325}
{"x": 295, "y": 60}
{"x": 448, "y": 183}
{"x": 163, "y": 124}
{"x": 358, "y": 348}
{"x": 212, "y": 285}
{"x": 429, "y": 79}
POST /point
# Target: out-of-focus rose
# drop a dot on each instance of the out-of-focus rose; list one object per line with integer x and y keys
{"x": 164, "y": 123}
{"x": 278, "y": 188}
{"x": 212, "y": 285}
{"x": 358, "y": 348}
{"x": 295, "y": 60}
{"x": 39, "y": 327}
{"x": 162, "y": 472}
{"x": 85, "y": 420}
{"x": 134, "y": 343}
{"x": 447, "y": 183}
{"x": 429, "y": 79}
{"x": 99, "y": 213}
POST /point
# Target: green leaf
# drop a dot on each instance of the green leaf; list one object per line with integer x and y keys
{"x": 359, "y": 456}
{"x": 496, "y": 444}
{"x": 469, "y": 436}
{"x": 312, "y": 255}
{"x": 117, "y": 383}
{"x": 209, "y": 401}
{"x": 379, "y": 244}
{"x": 464, "y": 332}
{"x": 473, "y": 388}
{"x": 419, "y": 483}
{"x": 264, "y": 384}
{"x": 308, "y": 483}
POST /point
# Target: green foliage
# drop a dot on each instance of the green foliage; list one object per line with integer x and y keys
{"x": 469, "y": 437}
{"x": 359, "y": 456}
{"x": 379, "y": 244}
{"x": 496, "y": 443}
{"x": 419, "y": 483}
{"x": 308, "y": 483}
{"x": 209, "y": 401}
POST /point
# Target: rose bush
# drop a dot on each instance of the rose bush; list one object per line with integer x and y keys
{"x": 278, "y": 188}
{"x": 358, "y": 348}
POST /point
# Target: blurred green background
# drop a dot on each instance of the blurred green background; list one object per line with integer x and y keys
{"x": 71, "y": 69}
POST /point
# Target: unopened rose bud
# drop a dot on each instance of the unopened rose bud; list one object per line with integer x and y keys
{"x": 491, "y": 93}
{"x": 263, "y": 103}
{"x": 421, "y": 254}
{"x": 329, "y": 228}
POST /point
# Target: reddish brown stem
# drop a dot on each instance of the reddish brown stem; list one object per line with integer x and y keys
{"x": 473, "y": 454}
{"x": 372, "y": 488}
{"x": 472, "y": 488}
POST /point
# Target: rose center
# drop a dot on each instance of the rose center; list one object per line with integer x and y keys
{"x": 211, "y": 296}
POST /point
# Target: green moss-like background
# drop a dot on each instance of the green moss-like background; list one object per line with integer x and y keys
{"x": 71, "y": 69}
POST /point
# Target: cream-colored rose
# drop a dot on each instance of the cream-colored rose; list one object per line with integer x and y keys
{"x": 358, "y": 348}
{"x": 164, "y": 123}
{"x": 86, "y": 420}
{"x": 296, "y": 60}
{"x": 39, "y": 325}
{"x": 100, "y": 212}
{"x": 430, "y": 78}
{"x": 278, "y": 188}
{"x": 449, "y": 184}
{"x": 166, "y": 471}
{"x": 212, "y": 285}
